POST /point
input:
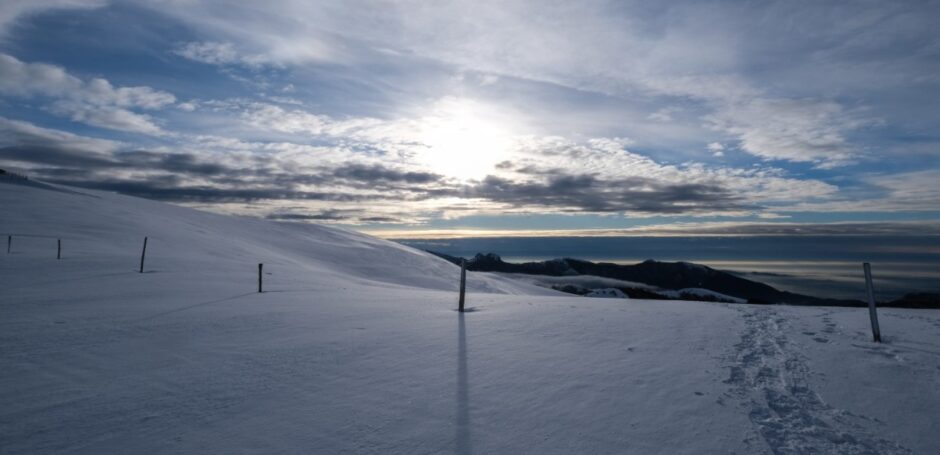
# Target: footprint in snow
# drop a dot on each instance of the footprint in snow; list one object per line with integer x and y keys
{"x": 773, "y": 379}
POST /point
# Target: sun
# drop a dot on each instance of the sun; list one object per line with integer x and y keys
{"x": 465, "y": 139}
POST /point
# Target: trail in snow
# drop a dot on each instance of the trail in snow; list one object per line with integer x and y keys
{"x": 771, "y": 376}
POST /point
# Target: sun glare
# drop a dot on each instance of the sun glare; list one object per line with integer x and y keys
{"x": 465, "y": 139}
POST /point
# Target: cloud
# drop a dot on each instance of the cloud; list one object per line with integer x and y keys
{"x": 609, "y": 160}
{"x": 776, "y": 91}
{"x": 218, "y": 53}
{"x": 380, "y": 173}
{"x": 717, "y": 149}
{"x": 663, "y": 114}
{"x": 385, "y": 98}
{"x": 915, "y": 191}
{"x": 785, "y": 228}
{"x": 176, "y": 163}
{"x": 326, "y": 215}
{"x": 11, "y": 10}
{"x": 270, "y": 117}
{"x": 334, "y": 215}
{"x": 170, "y": 189}
{"x": 94, "y": 102}
{"x": 210, "y": 174}
{"x": 100, "y": 92}
{"x": 793, "y": 130}
{"x": 18, "y": 78}
{"x": 360, "y": 161}
{"x": 603, "y": 176}
{"x": 911, "y": 189}
{"x": 107, "y": 117}
{"x": 586, "y": 193}
{"x": 261, "y": 177}
{"x": 25, "y": 134}
{"x": 209, "y": 52}
{"x": 188, "y": 106}
{"x": 729, "y": 228}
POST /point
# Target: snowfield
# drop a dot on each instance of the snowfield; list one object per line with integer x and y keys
{"x": 355, "y": 347}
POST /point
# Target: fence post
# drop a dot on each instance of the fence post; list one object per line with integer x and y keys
{"x": 260, "y": 266}
{"x": 9, "y": 243}
{"x": 143, "y": 254}
{"x": 872, "y": 311}
{"x": 58, "y": 253}
{"x": 463, "y": 282}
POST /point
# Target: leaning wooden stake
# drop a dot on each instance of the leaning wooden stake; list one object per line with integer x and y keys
{"x": 143, "y": 254}
{"x": 260, "y": 266}
{"x": 463, "y": 283}
{"x": 58, "y": 253}
{"x": 872, "y": 311}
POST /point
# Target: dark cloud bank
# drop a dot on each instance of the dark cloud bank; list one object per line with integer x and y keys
{"x": 184, "y": 177}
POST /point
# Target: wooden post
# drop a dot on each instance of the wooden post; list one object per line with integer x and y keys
{"x": 58, "y": 254}
{"x": 9, "y": 242}
{"x": 260, "y": 266}
{"x": 872, "y": 311}
{"x": 463, "y": 283}
{"x": 143, "y": 254}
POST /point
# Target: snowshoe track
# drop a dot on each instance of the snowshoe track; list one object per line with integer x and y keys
{"x": 770, "y": 377}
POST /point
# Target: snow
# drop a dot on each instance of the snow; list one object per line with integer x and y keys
{"x": 355, "y": 347}
{"x": 107, "y": 228}
{"x": 584, "y": 281}
{"x": 706, "y": 294}
{"x": 607, "y": 293}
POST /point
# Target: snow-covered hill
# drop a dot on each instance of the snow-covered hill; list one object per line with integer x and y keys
{"x": 355, "y": 347}
{"x": 108, "y": 229}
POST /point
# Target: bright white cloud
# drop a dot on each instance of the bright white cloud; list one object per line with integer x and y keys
{"x": 717, "y": 149}
{"x": 27, "y": 79}
{"x": 109, "y": 117}
{"x": 100, "y": 92}
{"x": 794, "y": 130}
{"x": 95, "y": 102}
{"x": 457, "y": 137}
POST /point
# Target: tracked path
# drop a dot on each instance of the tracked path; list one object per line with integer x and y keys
{"x": 770, "y": 377}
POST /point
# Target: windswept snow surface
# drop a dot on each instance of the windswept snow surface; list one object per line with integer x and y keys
{"x": 355, "y": 347}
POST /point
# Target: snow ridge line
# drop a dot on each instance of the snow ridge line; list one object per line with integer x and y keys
{"x": 770, "y": 377}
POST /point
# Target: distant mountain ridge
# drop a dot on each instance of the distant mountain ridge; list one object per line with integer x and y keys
{"x": 672, "y": 276}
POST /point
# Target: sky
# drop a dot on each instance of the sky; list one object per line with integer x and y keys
{"x": 411, "y": 119}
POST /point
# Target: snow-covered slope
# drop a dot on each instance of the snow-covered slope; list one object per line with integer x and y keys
{"x": 355, "y": 348}
{"x": 109, "y": 229}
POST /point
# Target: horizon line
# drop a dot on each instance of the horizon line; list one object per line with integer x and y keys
{"x": 713, "y": 229}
